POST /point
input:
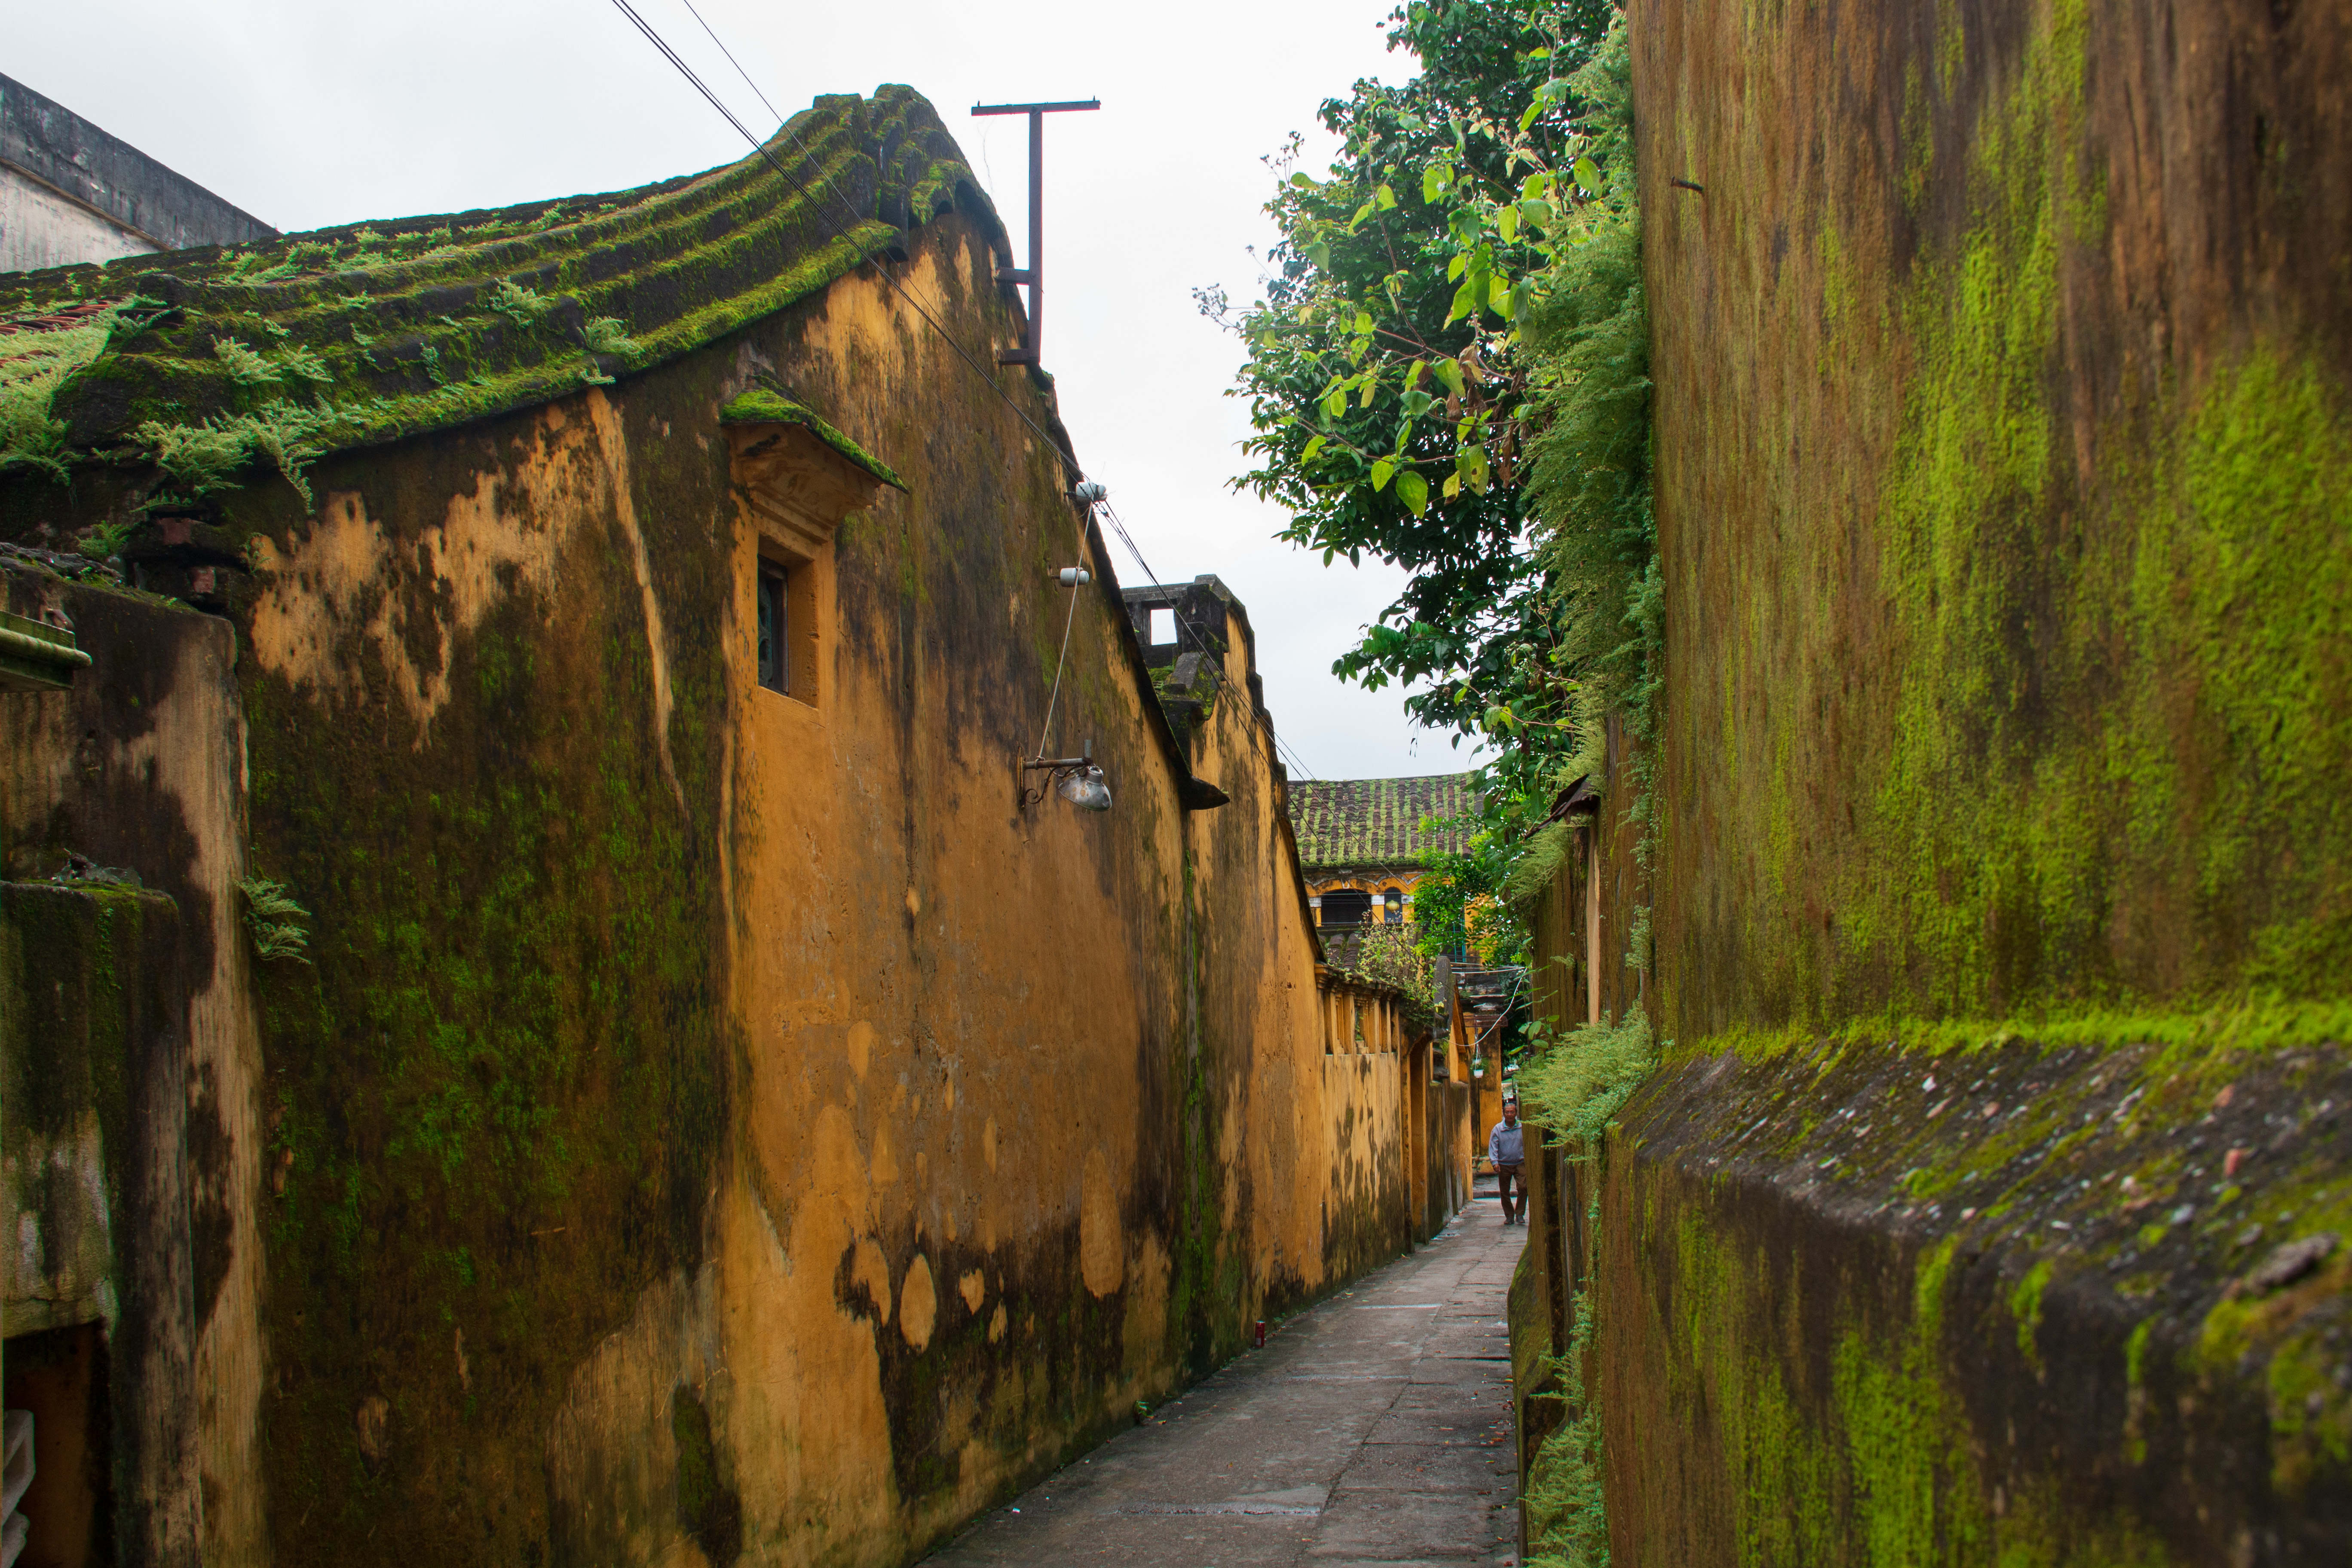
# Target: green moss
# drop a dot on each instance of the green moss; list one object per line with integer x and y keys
{"x": 707, "y": 1510}
{"x": 2112, "y": 670}
{"x": 2310, "y": 1411}
{"x": 2210, "y": 1039}
{"x": 423, "y": 327}
{"x": 765, "y": 405}
{"x": 2135, "y": 1390}
{"x": 2025, "y": 1306}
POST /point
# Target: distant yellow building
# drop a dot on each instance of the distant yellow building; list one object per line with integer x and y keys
{"x": 1360, "y": 843}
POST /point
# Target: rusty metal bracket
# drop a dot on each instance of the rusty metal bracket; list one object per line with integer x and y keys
{"x": 1055, "y": 769}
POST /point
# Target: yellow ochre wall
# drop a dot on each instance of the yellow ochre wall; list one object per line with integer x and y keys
{"x": 716, "y": 1126}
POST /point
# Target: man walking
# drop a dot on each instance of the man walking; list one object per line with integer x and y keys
{"x": 1507, "y": 1151}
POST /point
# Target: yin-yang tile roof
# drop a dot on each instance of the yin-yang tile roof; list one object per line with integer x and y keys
{"x": 371, "y": 331}
{"x": 1377, "y": 822}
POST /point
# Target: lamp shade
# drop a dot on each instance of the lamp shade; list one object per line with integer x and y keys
{"x": 1085, "y": 790}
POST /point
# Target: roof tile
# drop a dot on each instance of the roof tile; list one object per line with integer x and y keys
{"x": 1373, "y": 822}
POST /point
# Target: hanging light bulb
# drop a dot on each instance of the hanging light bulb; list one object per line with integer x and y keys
{"x": 1085, "y": 789}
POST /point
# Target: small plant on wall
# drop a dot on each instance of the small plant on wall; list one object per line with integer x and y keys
{"x": 275, "y": 920}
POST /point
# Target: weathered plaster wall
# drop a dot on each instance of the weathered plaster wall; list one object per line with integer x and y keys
{"x": 93, "y": 1063}
{"x": 142, "y": 766}
{"x": 2001, "y": 371}
{"x": 716, "y": 1126}
{"x": 41, "y": 227}
{"x": 2003, "y": 376}
{"x": 1999, "y": 1306}
{"x": 70, "y": 192}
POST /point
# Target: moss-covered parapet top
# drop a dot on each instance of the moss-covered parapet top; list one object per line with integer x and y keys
{"x": 2071, "y": 1273}
{"x": 765, "y": 405}
{"x": 352, "y": 336}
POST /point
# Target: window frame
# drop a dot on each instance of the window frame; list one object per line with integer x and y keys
{"x": 771, "y": 592}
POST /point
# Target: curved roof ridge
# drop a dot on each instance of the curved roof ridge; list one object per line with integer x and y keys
{"x": 359, "y": 334}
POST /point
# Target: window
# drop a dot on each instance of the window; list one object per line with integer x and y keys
{"x": 774, "y": 673}
{"x": 1346, "y": 907}
{"x": 1163, "y": 626}
{"x": 1392, "y": 909}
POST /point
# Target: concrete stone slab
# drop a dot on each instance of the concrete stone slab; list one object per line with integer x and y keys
{"x": 1373, "y": 1428}
{"x": 1431, "y": 1466}
{"x": 1370, "y": 1525}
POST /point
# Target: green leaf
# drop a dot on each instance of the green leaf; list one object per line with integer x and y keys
{"x": 1302, "y": 181}
{"x": 1413, "y": 372}
{"x": 1588, "y": 175}
{"x": 1453, "y": 267}
{"x": 1432, "y": 182}
{"x": 1466, "y": 302}
{"x": 1529, "y": 117}
{"x": 1335, "y": 406}
{"x": 1314, "y": 449}
{"x": 1506, "y": 220}
{"x": 1498, "y": 296}
{"x": 1385, "y": 198}
{"x": 1414, "y": 490}
{"x": 1381, "y": 472}
{"x": 1320, "y": 255}
{"x": 1449, "y": 371}
{"x": 1470, "y": 464}
{"x": 1371, "y": 384}
{"x": 1363, "y": 212}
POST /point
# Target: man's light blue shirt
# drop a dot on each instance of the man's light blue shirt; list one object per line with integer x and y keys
{"x": 1507, "y": 1145}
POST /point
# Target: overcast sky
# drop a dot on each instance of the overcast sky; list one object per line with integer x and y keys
{"x": 307, "y": 114}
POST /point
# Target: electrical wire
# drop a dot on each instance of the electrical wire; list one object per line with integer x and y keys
{"x": 733, "y": 61}
{"x": 880, "y": 268}
{"x": 1184, "y": 628}
{"x": 1046, "y": 733}
{"x": 921, "y": 309}
{"x": 898, "y": 286}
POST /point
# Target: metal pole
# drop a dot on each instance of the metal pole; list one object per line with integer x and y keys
{"x": 1033, "y": 342}
{"x": 1037, "y": 339}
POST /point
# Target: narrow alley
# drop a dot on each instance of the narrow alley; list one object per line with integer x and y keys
{"x": 1375, "y": 1427}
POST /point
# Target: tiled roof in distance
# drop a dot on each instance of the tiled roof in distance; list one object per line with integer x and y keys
{"x": 1372, "y": 822}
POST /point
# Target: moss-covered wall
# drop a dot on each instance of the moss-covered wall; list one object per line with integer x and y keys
{"x": 1987, "y": 1206}
{"x": 93, "y": 1149}
{"x": 140, "y": 765}
{"x": 2004, "y": 441}
{"x": 713, "y": 1121}
{"x": 2022, "y": 1304}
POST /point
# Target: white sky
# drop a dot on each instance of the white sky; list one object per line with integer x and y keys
{"x": 306, "y": 114}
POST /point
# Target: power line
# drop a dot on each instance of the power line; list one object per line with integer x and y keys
{"x": 913, "y": 299}
{"x": 850, "y": 234}
{"x": 1216, "y": 665}
{"x": 910, "y": 296}
{"x": 733, "y": 61}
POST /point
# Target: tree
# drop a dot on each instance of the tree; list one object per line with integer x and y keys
{"x": 1383, "y": 374}
{"x": 1449, "y": 368}
{"x": 1389, "y": 380}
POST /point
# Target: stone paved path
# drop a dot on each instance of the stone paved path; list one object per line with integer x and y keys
{"x": 1375, "y": 1429}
